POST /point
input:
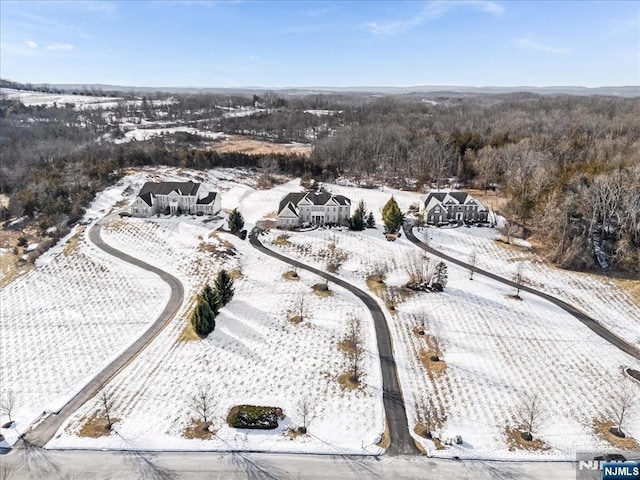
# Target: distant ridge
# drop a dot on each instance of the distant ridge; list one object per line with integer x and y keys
{"x": 618, "y": 91}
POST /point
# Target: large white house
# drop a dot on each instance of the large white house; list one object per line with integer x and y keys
{"x": 316, "y": 208}
{"x": 175, "y": 197}
{"x": 441, "y": 207}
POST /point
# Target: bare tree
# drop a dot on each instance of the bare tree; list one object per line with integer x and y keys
{"x": 304, "y": 410}
{"x": 355, "y": 350}
{"x": 531, "y": 415}
{"x": 436, "y": 343}
{"x": 420, "y": 270}
{"x": 201, "y": 403}
{"x": 473, "y": 259}
{"x": 107, "y": 405}
{"x": 8, "y": 403}
{"x": 518, "y": 278}
{"x": 300, "y": 310}
{"x": 422, "y": 321}
{"x": 623, "y": 404}
{"x": 509, "y": 230}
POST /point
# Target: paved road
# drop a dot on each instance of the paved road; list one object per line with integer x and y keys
{"x": 44, "y": 431}
{"x": 401, "y": 440}
{"x": 46, "y": 464}
{"x": 584, "y": 318}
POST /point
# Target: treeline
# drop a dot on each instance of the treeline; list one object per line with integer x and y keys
{"x": 569, "y": 166}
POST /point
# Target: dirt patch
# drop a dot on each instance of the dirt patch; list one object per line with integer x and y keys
{"x": 516, "y": 442}
{"x": 385, "y": 438}
{"x": 236, "y": 273}
{"x": 188, "y": 334}
{"x": 12, "y": 267}
{"x": 72, "y": 245}
{"x": 348, "y": 381}
{"x": 291, "y": 275}
{"x": 96, "y": 426}
{"x": 293, "y": 433}
{"x": 250, "y": 146}
{"x": 376, "y": 284}
{"x": 601, "y": 429}
{"x": 514, "y": 297}
{"x": 632, "y": 287}
{"x": 434, "y": 368}
{"x": 422, "y": 430}
{"x": 322, "y": 290}
{"x": 501, "y": 242}
{"x": 282, "y": 240}
{"x": 296, "y": 319}
{"x": 198, "y": 429}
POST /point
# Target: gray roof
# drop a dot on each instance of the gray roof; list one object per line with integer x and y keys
{"x": 461, "y": 197}
{"x": 315, "y": 198}
{"x": 165, "y": 188}
{"x": 210, "y": 198}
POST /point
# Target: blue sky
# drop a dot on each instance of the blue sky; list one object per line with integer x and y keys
{"x": 305, "y": 43}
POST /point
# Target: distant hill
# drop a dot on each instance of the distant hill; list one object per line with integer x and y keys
{"x": 617, "y": 91}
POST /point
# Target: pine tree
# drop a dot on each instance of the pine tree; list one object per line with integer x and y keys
{"x": 212, "y": 298}
{"x": 392, "y": 216}
{"x": 371, "y": 222}
{"x": 356, "y": 222}
{"x": 440, "y": 277}
{"x": 203, "y": 320}
{"x": 224, "y": 287}
{"x": 235, "y": 221}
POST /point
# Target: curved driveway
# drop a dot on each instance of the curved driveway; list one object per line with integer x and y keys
{"x": 46, "y": 429}
{"x": 401, "y": 441}
{"x": 584, "y": 318}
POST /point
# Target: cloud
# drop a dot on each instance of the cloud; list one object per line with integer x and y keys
{"x": 526, "y": 43}
{"x": 31, "y": 44}
{"x": 431, "y": 11}
{"x": 60, "y": 47}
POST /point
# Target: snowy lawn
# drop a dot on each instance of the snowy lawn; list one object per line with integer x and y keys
{"x": 61, "y": 323}
{"x": 497, "y": 352}
{"x": 254, "y": 356}
{"x": 597, "y": 296}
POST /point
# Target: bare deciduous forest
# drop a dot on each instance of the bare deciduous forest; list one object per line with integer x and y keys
{"x": 568, "y": 166}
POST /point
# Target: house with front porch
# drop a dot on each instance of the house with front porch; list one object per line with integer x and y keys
{"x": 314, "y": 208}
{"x": 175, "y": 197}
{"x": 442, "y": 207}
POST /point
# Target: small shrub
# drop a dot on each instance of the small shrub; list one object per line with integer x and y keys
{"x": 254, "y": 417}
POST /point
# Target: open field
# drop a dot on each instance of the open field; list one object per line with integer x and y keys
{"x": 598, "y": 296}
{"x": 64, "y": 320}
{"x": 255, "y": 355}
{"x": 496, "y": 352}
{"x": 250, "y": 146}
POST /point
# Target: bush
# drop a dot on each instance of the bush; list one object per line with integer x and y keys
{"x": 251, "y": 416}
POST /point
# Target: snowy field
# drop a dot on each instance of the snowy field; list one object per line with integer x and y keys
{"x": 497, "y": 352}
{"x": 600, "y": 298}
{"x": 142, "y": 134}
{"x": 255, "y": 355}
{"x": 61, "y": 323}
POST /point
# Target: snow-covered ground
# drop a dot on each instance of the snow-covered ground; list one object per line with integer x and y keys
{"x": 498, "y": 351}
{"x": 61, "y": 323}
{"x": 598, "y": 297}
{"x": 141, "y": 134}
{"x": 255, "y": 355}
{"x": 30, "y": 98}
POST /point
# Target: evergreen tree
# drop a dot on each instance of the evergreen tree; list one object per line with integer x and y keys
{"x": 224, "y": 287}
{"x": 371, "y": 222}
{"x": 356, "y": 222}
{"x": 235, "y": 221}
{"x": 392, "y": 216}
{"x": 440, "y": 277}
{"x": 212, "y": 298}
{"x": 203, "y": 320}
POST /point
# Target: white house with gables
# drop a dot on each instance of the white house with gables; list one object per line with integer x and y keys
{"x": 175, "y": 197}
{"x": 316, "y": 208}
{"x": 441, "y": 207}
